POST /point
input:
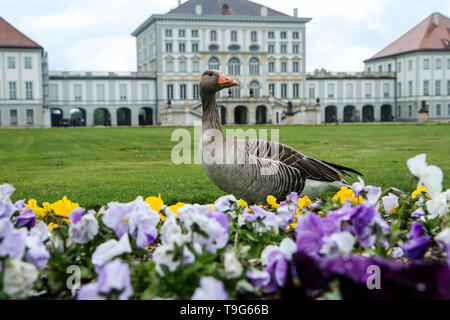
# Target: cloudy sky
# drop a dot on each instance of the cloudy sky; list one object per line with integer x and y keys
{"x": 95, "y": 34}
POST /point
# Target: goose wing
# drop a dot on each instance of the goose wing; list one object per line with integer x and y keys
{"x": 310, "y": 168}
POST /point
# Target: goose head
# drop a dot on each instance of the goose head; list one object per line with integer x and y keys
{"x": 213, "y": 81}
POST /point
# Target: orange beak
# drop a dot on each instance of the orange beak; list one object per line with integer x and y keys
{"x": 228, "y": 82}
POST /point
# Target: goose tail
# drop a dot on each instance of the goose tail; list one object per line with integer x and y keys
{"x": 344, "y": 169}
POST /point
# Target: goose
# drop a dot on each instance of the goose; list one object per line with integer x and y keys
{"x": 253, "y": 169}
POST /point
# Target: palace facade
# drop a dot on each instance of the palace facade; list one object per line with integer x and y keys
{"x": 262, "y": 48}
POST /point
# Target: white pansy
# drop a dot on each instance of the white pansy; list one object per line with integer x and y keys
{"x": 437, "y": 207}
{"x": 417, "y": 165}
{"x": 443, "y": 238}
{"x": 40, "y": 230}
{"x": 390, "y": 202}
{"x": 233, "y": 267}
{"x": 164, "y": 255}
{"x": 170, "y": 231}
{"x": 18, "y": 278}
{"x": 111, "y": 249}
{"x": 85, "y": 230}
{"x": 338, "y": 243}
{"x": 432, "y": 179}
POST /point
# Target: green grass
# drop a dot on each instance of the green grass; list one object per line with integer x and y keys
{"x": 94, "y": 165}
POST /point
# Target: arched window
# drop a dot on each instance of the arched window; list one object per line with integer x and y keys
{"x": 254, "y": 87}
{"x": 254, "y": 66}
{"x": 214, "y": 64}
{"x": 234, "y": 67}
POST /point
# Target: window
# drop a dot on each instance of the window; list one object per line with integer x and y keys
{"x": 312, "y": 91}
{"x": 168, "y": 47}
{"x": 123, "y": 91}
{"x": 296, "y": 90}
{"x": 399, "y": 66}
{"x": 399, "y": 93}
{"x": 11, "y": 62}
{"x": 182, "y": 47}
{"x": 194, "y": 33}
{"x": 77, "y": 92}
{"x": 53, "y": 94}
{"x": 438, "y": 110}
{"x": 410, "y": 111}
{"x": 295, "y": 48}
{"x": 183, "y": 66}
{"x": 182, "y": 33}
{"x": 369, "y": 70}
{"x": 170, "y": 91}
{"x": 283, "y": 35}
{"x": 233, "y": 36}
{"x": 195, "y": 47}
{"x": 399, "y": 111}
{"x": 284, "y": 67}
{"x": 380, "y": 68}
{"x": 30, "y": 116}
{"x": 331, "y": 90}
{"x": 448, "y": 63}
{"x": 234, "y": 67}
{"x": 271, "y": 66}
{"x": 410, "y": 65}
{"x": 272, "y": 89}
{"x": 389, "y": 67}
{"x": 29, "y": 90}
{"x": 426, "y": 91}
{"x": 386, "y": 90}
{"x": 254, "y": 66}
{"x": 295, "y": 66}
{"x": 283, "y": 48}
{"x": 254, "y": 36}
{"x": 13, "y": 116}
{"x": 410, "y": 88}
{"x": 12, "y": 90}
{"x": 182, "y": 91}
{"x": 426, "y": 64}
{"x": 254, "y": 87}
{"x": 145, "y": 91}
{"x": 195, "y": 66}
{"x": 271, "y": 48}
{"x": 214, "y": 64}
{"x": 169, "y": 66}
{"x": 195, "y": 92}
{"x": 448, "y": 87}
{"x": 213, "y": 35}
{"x": 438, "y": 64}
{"x": 368, "y": 90}
{"x": 235, "y": 92}
{"x": 438, "y": 87}
{"x": 295, "y": 35}
{"x": 448, "y": 110}
{"x": 271, "y": 35}
{"x": 168, "y": 33}
{"x": 28, "y": 63}
{"x": 349, "y": 90}
{"x": 284, "y": 90}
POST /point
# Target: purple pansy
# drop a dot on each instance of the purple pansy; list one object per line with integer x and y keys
{"x": 418, "y": 243}
{"x": 26, "y": 218}
{"x": 261, "y": 219}
{"x": 6, "y": 206}
{"x": 12, "y": 240}
{"x": 258, "y": 278}
{"x": 210, "y": 289}
{"x": 83, "y": 227}
{"x": 37, "y": 254}
{"x": 113, "y": 277}
{"x": 419, "y": 213}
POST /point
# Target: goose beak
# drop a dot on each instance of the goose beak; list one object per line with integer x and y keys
{"x": 227, "y": 82}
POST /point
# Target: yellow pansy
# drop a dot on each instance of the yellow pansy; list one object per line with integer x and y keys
{"x": 63, "y": 207}
{"x": 174, "y": 208}
{"x": 304, "y": 202}
{"x": 156, "y": 203}
{"x": 347, "y": 194}
{"x": 272, "y": 201}
{"x": 52, "y": 226}
{"x": 242, "y": 203}
{"x": 40, "y": 212}
{"x": 418, "y": 191}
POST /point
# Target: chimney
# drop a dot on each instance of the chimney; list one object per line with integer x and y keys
{"x": 436, "y": 19}
{"x": 264, "y": 11}
{"x": 198, "y": 9}
{"x": 295, "y": 12}
{"x": 179, "y": 2}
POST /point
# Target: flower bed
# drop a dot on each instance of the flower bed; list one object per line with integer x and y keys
{"x": 362, "y": 243}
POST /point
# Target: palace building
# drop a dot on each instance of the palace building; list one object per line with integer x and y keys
{"x": 262, "y": 48}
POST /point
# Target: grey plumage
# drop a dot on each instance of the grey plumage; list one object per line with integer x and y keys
{"x": 254, "y": 169}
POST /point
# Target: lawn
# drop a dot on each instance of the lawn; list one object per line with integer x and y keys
{"x": 96, "y": 165}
